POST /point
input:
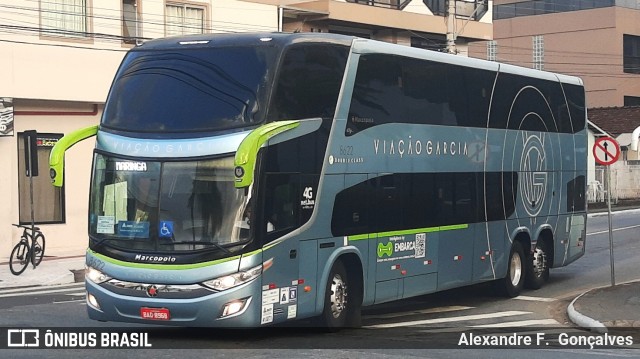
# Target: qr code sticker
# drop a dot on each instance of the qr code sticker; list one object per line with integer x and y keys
{"x": 421, "y": 245}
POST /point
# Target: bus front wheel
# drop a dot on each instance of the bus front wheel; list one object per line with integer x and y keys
{"x": 336, "y": 298}
{"x": 511, "y": 285}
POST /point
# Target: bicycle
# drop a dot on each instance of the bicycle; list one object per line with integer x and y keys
{"x": 24, "y": 253}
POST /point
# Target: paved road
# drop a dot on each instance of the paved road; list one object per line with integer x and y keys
{"x": 398, "y": 329}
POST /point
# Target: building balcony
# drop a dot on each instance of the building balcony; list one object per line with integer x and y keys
{"x": 387, "y": 15}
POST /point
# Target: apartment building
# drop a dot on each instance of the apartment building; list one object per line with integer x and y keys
{"x": 58, "y": 58}
{"x": 597, "y": 40}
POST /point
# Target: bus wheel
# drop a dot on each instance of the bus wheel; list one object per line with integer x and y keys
{"x": 537, "y": 272}
{"x": 336, "y": 298}
{"x": 512, "y": 283}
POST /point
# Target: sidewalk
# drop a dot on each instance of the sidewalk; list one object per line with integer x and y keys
{"x": 52, "y": 271}
{"x": 606, "y": 308}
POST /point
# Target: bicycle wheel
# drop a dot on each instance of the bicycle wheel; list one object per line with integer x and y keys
{"x": 38, "y": 249}
{"x": 19, "y": 258}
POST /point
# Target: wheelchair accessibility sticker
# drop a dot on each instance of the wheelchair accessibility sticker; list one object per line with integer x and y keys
{"x": 165, "y": 229}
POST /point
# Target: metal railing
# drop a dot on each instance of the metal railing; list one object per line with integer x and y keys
{"x": 390, "y": 4}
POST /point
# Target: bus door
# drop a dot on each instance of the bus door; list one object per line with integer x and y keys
{"x": 456, "y": 202}
{"x": 386, "y": 218}
{"x": 405, "y": 247}
{"x": 280, "y": 274}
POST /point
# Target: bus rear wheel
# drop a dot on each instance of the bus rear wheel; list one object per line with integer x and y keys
{"x": 336, "y": 298}
{"x": 537, "y": 272}
{"x": 511, "y": 285}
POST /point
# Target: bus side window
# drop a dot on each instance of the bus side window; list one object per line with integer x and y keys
{"x": 351, "y": 210}
{"x": 280, "y": 211}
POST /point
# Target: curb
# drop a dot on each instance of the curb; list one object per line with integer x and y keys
{"x": 586, "y": 322}
{"x": 582, "y": 320}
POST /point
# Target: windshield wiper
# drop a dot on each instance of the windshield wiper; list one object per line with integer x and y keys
{"x": 199, "y": 243}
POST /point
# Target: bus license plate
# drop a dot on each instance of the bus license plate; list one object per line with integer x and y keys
{"x": 155, "y": 313}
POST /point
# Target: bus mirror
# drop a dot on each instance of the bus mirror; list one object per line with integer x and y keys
{"x": 245, "y": 160}
{"x": 56, "y": 158}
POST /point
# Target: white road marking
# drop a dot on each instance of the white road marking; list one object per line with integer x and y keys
{"x": 424, "y": 311}
{"x": 614, "y": 230}
{"x": 37, "y": 292}
{"x": 447, "y": 320}
{"x": 520, "y": 323}
{"x": 535, "y": 299}
{"x": 77, "y": 294}
{"x": 39, "y": 288}
{"x": 81, "y": 301}
{"x": 601, "y": 214}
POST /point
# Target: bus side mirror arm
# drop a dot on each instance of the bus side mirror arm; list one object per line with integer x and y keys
{"x": 247, "y": 153}
{"x": 56, "y": 158}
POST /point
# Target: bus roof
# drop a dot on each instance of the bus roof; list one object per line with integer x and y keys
{"x": 239, "y": 39}
{"x": 360, "y": 45}
{"x": 364, "y": 46}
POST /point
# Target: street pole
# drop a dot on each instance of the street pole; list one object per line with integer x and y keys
{"x": 613, "y": 272}
{"x": 451, "y": 36}
{"x": 30, "y": 168}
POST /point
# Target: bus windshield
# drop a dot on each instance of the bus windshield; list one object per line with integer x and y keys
{"x": 194, "y": 90}
{"x": 167, "y": 206}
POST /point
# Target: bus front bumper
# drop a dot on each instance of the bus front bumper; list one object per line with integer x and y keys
{"x": 234, "y": 308}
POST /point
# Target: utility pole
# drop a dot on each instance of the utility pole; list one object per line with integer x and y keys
{"x": 451, "y": 35}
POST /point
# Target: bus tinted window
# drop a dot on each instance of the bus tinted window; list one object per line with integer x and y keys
{"x": 421, "y": 200}
{"x": 500, "y": 195}
{"x": 309, "y": 82}
{"x": 575, "y": 100}
{"x": 195, "y": 90}
{"x": 576, "y": 196}
{"x": 393, "y": 89}
{"x": 523, "y": 103}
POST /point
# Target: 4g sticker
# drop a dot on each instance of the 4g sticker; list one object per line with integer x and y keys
{"x": 307, "y": 202}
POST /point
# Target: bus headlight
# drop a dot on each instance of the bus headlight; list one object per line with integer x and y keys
{"x": 233, "y": 280}
{"x": 95, "y": 275}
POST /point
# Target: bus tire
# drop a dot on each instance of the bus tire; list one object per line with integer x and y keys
{"x": 511, "y": 285}
{"x": 336, "y": 298}
{"x": 537, "y": 270}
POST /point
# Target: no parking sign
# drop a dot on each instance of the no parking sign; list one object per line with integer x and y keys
{"x": 606, "y": 151}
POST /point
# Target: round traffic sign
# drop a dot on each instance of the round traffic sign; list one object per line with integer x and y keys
{"x": 606, "y": 151}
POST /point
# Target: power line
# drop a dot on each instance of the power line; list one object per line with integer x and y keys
{"x": 62, "y": 45}
{"x": 116, "y": 20}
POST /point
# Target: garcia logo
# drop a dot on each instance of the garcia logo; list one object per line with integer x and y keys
{"x": 534, "y": 178}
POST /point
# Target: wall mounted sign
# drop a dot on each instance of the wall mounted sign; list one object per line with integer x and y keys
{"x": 6, "y": 116}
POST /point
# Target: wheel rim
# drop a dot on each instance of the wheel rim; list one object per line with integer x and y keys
{"x": 539, "y": 262}
{"x": 19, "y": 259}
{"x": 515, "y": 269}
{"x": 338, "y": 296}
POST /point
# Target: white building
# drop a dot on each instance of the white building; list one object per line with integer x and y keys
{"x": 58, "y": 58}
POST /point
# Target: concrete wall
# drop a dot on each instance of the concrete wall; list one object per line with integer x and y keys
{"x": 65, "y": 238}
{"x": 625, "y": 182}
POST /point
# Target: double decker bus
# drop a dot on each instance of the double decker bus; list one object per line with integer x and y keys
{"x": 242, "y": 180}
